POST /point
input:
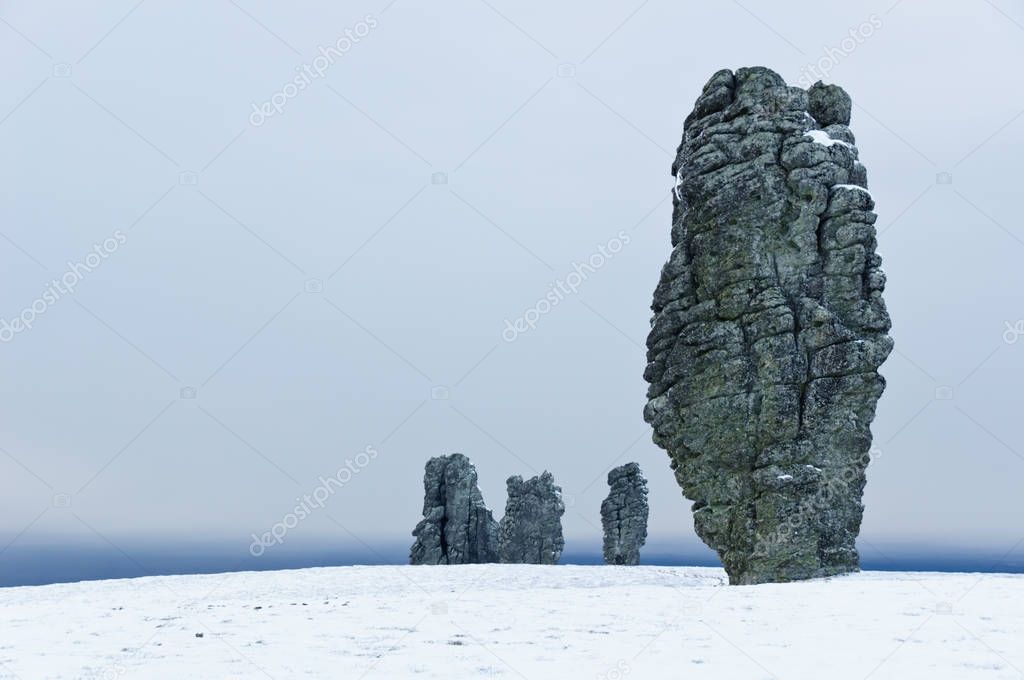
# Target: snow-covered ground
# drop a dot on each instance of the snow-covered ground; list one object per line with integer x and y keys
{"x": 505, "y": 621}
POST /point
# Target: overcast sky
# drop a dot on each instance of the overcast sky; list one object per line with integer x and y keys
{"x": 286, "y": 276}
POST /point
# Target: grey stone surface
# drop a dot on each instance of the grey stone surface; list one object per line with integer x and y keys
{"x": 624, "y": 515}
{"x": 769, "y": 327}
{"x": 829, "y": 104}
{"x": 457, "y": 528}
{"x": 531, "y": 530}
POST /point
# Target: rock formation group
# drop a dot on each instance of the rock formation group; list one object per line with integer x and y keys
{"x": 457, "y": 527}
{"x": 769, "y": 327}
{"x": 768, "y": 331}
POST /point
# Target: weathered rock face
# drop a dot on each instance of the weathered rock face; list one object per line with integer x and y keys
{"x": 531, "y": 530}
{"x": 624, "y": 515}
{"x": 769, "y": 327}
{"x": 457, "y": 528}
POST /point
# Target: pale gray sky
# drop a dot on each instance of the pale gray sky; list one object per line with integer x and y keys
{"x": 554, "y": 125}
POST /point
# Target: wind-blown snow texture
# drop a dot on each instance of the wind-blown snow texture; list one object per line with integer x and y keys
{"x": 769, "y": 327}
{"x": 515, "y": 621}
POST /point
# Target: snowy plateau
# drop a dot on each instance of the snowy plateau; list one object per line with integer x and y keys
{"x": 515, "y": 621}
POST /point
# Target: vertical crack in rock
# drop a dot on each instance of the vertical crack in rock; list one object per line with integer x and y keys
{"x": 769, "y": 327}
{"x": 624, "y": 515}
{"x": 531, "y": 530}
{"x": 457, "y": 528}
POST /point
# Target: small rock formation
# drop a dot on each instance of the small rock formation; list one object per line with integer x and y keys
{"x": 769, "y": 327}
{"x": 457, "y": 528}
{"x": 531, "y": 530}
{"x": 624, "y": 515}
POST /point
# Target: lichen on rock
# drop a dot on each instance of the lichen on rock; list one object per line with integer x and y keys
{"x": 624, "y": 515}
{"x": 769, "y": 327}
{"x": 457, "y": 527}
{"x": 531, "y": 530}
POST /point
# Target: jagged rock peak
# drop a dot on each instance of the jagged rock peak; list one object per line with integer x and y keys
{"x": 624, "y": 515}
{"x": 531, "y": 530}
{"x": 769, "y": 327}
{"x": 457, "y": 527}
